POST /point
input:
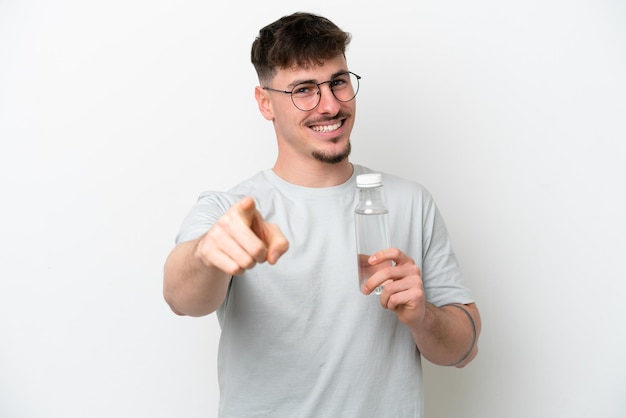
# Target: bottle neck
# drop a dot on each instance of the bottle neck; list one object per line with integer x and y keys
{"x": 370, "y": 192}
{"x": 371, "y": 200}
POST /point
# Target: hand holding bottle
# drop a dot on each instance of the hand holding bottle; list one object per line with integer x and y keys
{"x": 402, "y": 286}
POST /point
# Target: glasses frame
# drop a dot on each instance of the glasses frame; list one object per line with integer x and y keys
{"x": 319, "y": 90}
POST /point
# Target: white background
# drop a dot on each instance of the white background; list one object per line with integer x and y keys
{"x": 115, "y": 115}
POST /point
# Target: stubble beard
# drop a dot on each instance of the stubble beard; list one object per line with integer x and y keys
{"x": 335, "y": 158}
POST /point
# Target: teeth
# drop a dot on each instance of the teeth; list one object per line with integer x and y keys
{"x": 326, "y": 128}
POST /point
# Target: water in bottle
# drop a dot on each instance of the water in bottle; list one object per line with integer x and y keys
{"x": 371, "y": 223}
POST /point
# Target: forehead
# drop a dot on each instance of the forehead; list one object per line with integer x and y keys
{"x": 323, "y": 72}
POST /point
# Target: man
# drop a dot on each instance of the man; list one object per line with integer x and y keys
{"x": 276, "y": 258}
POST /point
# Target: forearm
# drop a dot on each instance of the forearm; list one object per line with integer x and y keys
{"x": 448, "y": 335}
{"x": 189, "y": 286}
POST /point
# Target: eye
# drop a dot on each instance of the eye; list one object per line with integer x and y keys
{"x": 307, "y": 89}
{"x": 341, "y": 81}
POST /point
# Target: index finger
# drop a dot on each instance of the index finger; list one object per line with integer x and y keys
{"x": 247, "y": 208}
{"x": 390, "y": 254}
{"x": 275, "y": 242}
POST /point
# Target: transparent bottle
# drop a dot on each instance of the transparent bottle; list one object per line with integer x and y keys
{"x": 371, "y": 224}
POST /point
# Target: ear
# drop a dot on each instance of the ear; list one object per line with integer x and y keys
{"x": 265, "y": 104}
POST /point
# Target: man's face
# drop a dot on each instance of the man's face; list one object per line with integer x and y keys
{"x": 322, "y": 134}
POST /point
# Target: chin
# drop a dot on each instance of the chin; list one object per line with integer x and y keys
{"x": 333, "y": 158}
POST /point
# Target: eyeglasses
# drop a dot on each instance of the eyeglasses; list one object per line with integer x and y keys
{"x": 306, "y": 96}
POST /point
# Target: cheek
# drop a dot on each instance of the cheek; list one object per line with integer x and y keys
{"x": 287, "y": 127}
{"x": 288, "y": 119}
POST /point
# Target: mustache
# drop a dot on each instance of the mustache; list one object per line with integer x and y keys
{"x": 321, "y": 119}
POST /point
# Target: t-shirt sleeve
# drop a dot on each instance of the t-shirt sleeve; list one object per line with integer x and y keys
{"x": 441, "y": 272}
{"x": 209, "y": 207}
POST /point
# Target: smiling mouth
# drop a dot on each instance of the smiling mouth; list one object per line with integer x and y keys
{"x": 327, "y": 128}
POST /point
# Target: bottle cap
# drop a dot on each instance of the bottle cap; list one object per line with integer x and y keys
{"x": 369, "y": 180}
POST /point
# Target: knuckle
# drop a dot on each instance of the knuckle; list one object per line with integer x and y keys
{"x": 220, "y": 226}
{"x": 233, "y": 271}
{"x": 249, "y": 264}
{"x": 414, "y": 270}
{"x": 392, "y": 303}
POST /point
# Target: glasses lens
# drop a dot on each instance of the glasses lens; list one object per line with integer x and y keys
{"x": 345, "y": 87}
{"x": 305, "y": 96}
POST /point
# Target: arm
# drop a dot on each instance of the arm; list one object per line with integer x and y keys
{"x": 444, "y": 335}
{"x": 189, "y": 286}
{"x": 197, "y": 273}
{"x": 448, "y": 335}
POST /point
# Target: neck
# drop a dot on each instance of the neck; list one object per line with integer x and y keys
{"x": 315, "y": 174}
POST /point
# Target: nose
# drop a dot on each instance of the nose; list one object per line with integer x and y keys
{"x": 328, "y": 103}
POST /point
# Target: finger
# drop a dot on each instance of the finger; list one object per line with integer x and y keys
{"x": 247, "y": 209}
{"x": 387, "y": 266}
{"x": 277, "y": 243}
{"x": 246, "y": 227}
{"x": 227, "y": 264}
{"x": 227, "y": 242}
{"x": 400, "y": 277}
{"x": 390, "y": 254}
{"x": 398, "y": 295}
{"x": 244, "y": 257}
{"x": 381, "y": 275}
{"x": 406, "y": 289}
{"x": 232, "y": 235}
{"x": 409, "y": 308}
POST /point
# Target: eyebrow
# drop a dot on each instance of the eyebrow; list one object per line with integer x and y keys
{"x": 313, "y": 81}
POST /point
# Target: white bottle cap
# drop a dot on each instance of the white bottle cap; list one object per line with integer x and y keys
{"x": 369, "y": 180}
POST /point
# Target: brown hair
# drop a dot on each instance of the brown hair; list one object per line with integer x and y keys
{"x": 300, "y": 39}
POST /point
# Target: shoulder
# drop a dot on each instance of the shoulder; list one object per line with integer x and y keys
{"x": 401, "y": 187}
{"x": 211, "y": 205}
{"x": 401, "y": 184}
{"x": 225, "y": 199}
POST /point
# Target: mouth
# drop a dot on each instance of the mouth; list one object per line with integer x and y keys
{"x": 327, "y": 128}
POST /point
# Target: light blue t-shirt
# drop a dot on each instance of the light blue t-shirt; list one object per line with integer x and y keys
{"x": 298, "y": 339}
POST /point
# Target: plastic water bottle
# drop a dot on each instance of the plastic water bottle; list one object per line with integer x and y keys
{"x": 372, "y": 225}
